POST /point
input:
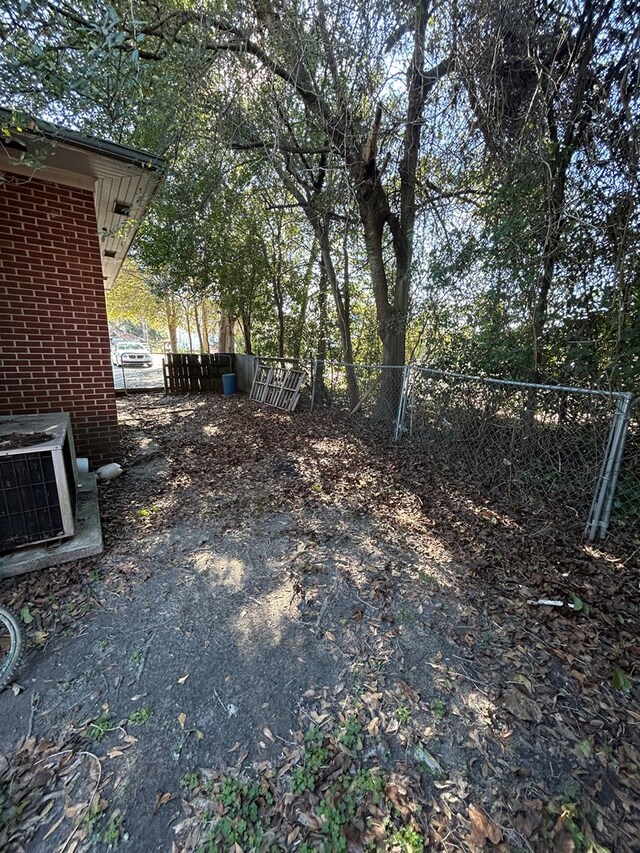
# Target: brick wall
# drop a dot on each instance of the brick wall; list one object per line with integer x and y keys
{"x": 54, "y": 338}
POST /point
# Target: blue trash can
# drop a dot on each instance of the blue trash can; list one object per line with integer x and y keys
{"x": 228, "y": 384}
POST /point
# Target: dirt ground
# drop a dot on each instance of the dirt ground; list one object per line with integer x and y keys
{"x": 281, "y": 590}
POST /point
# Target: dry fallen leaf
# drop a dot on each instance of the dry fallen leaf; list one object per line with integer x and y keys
{"x": 161, "y": 800}
{"x": 182, "y": 719}
{"x": 115, "y": 753}
{"x": 483, "y": 828}
{"x": 521, "y": 706}
{"x": 183, "y": 679}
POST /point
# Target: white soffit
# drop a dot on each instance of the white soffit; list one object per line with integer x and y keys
{"x": 113, "y": 181}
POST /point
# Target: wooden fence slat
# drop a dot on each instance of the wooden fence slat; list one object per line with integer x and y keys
{"x": 197, "y": 373}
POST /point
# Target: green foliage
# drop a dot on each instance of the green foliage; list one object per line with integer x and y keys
{"x": 515, "y": 180}
{"x": 190, "y": 781}
{"x": 113, "y": 833}
{"x": 350, "y": 737}
{"x": 620, "y": 680}
{"x": 402, "y": 714}
{"x": 438, "y": 709}
{"x": 242, "y": 803}
{"x": 131, "y": 299}
{"x": 580, "y": 606}
{"x": 99, "y": 728}
{"x": 314, "y": 758}
{"x": 141, "y": 716}
{"x": 409, "y": 840}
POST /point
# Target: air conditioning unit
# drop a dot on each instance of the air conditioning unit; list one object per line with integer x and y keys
{"x": 38, "y": 480}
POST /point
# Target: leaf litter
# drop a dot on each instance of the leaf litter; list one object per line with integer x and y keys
{"x": 517, "y": 730}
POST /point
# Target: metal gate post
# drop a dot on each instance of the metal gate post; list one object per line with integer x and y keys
{"x": 625, "y": 405}
{"x": 602, "y": 503}
{"x": 402, "y": 402}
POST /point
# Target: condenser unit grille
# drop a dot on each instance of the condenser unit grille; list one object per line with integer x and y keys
{"x": 29, "y": 502}
{"x": 38, "y": 479}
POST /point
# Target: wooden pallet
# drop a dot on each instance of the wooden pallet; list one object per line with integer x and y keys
{"x": 278, "y": 386}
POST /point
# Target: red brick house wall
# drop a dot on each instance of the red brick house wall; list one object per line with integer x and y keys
{"x": 54, "y": 337}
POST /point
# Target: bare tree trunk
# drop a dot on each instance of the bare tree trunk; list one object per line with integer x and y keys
{"x": 321, "y": 394}
{"x": 344, "y": 320}
{"x": 226, "y": 337}
{"x": 302, "y": 317}
{"x": 185, "y": 306}
{"x": 171, "y": 312}
{"x": 245, "y": 322}
{"x": 321, "y": 228}
{"x": 278, "y": 295}
{"x": 278, "y": 298}
{"x": 196, "y": 315}
{"x": 205, "y": 326}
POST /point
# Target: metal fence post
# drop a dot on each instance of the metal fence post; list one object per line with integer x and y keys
{"x": 602, "y": 503}
{"x": 314, "y": 373}
{"x": 624, "y": 406}
{"x": 402, "y": 402}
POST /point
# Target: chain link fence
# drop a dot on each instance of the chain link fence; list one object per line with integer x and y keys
{"x": 539, "y": 446}
{"x": 370, "y": 392}
{"x": 139, "y": 378}
{"x": 548, "y": 450}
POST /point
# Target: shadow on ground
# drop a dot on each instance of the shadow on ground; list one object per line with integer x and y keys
{"x": 263, "y": 572}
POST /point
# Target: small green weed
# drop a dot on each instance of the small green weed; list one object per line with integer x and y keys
{"x": 92, "y": 820}
{"x": 620, "y": 680}
{"x": 141, "y": 716}
{"x": 408, "y": 840}
{"x": 113, "y": 833}
{"x": 351, "y": 735}
{"x": 403, "y": 714}
{"x": 408, "y": 617}
{"x": 145, "y": 512}
{"x": 438, "y": 709}
{"x": 240, "y": 823}
{"x": 190, "y": 781}
{"x": 580, "y": 606}
{"x": 580, "y": 830}
{"x": 341, "y": 803}
{"x": 99, "y": 729}
{"x": 428, "y": 579}
{"x": 241, "y": 812}
{"x": 95, "y": 576}
{"x": 313, "y": 759}
{"x": 136, "y": 657}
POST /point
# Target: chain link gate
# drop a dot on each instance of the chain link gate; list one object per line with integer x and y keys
{"x": 539, "y": 444}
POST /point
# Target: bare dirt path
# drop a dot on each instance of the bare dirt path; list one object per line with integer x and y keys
{"x": 289, "y": 603}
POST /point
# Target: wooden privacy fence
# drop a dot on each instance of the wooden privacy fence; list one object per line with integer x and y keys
{"x": 246, "y": 366}
{"x": 188, "y": 373}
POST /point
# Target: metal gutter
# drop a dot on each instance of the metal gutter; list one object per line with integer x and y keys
{"x": 123, "y": 153}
